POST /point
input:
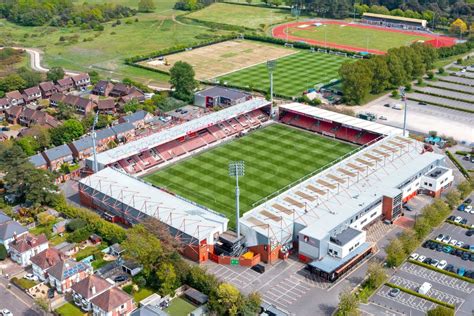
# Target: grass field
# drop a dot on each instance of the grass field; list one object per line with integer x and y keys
{"x": 293, "y": 74}
{"x": 275, "y": 157}
{"x": 180, "y": 307}
{"x": 356, "y": 36}
{"x": 218, "y": 59}
{"x": 239, "y": 15}
{"x": 108, "y": 49}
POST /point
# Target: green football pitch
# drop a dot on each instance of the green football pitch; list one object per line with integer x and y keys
{"x": 274, "y": 157}
{"x": 293, "y": 74}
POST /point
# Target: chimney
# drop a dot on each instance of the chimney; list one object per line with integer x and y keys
{"x": 93, "y": 290}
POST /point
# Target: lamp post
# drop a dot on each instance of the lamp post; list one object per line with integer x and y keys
{"x": 236, "y": 170}
{"x": 404, "y": 98}
{"x": 271, "y": 66}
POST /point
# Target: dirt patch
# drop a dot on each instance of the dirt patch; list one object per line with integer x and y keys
{"x": 219, "y": 59}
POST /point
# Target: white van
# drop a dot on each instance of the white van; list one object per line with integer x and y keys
{"x": 424, "y": 288}
{"x": 397, "y": 106}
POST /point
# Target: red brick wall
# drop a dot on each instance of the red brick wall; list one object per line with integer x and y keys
{"x": 387, "y": 209}
{"x": 266, "y": 255}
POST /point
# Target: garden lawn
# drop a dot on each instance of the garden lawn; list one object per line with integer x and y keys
{"x": 356, "y": 36}
{"x": 69, "y": 309}
{"x": 180, "y": 307}
{"x": 293, "y": 75}
{"x": 275, "y": 157}
{"x": 241, "y": 15}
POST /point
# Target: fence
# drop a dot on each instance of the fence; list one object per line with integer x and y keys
{"x": 235, "y": 261}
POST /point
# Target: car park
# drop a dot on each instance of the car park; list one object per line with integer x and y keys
{"x": 414, "y": 256}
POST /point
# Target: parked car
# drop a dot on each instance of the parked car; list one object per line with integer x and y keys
{"x": 460, "y": 244}
{"x": 447, "y": 249}
{"x": 426, "y": 243}
{"x": 458, "y": 219}
{"x": 383, "y": 118}
{"x": 50, "y": 293}
{"x": 440, "y": 237}
{"x": 453, "y": 242}
{"x": 421, "y": 258}
{"x": 446, "y": 239}
{"x": 466, "y": 246}
{"x": 449, "y": 268}
{"x": 5, "y": 312}
{"x": 434, "y": 262}
{"x": 439, "y": 247}
{"x": 421, "y": 103}
{"x": 414, "y": 256}
{"x": 408, "y": 208}
{"x": 467, "y": 201}
{"x": 470, "y": 232}
{"x": 468, "y": 209}
{"x": 451, "y": 218}
{"x": 31, "y": 277}
{"x": 465, "y": 256}
{"x": 5, "y": 128}
{"x": 463, "y": 221}
{"x": 442, "y": 264}
{"x": 120, "y": 278}
{"x": 460, "y": 271}
{"x": 458, "y": 253}
{"x": 471, "y": 258}
{"x": 424, "y": 288}
{"x": 387, "y": 105}
{"x": 394, "y": 292}
{"x": 427, "y": 260}
{"x": 461, "y": 207}
{"x": 258, "y": 268}
{"x": 433, "y": 246}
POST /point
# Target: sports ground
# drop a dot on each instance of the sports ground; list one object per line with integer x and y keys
{"x": 293, "y": 74}
{"x": 221, "y": 58}
{"x": 274, "y": 157}
{"x": 354, "y": 37}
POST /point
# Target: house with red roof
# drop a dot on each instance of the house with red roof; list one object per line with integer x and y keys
{"x": 113, "y": 302}
{"x": 87, "y": 289}
{"x": 63, "y": 275}
{"x": 45, "y": 260}
{"x": 24, "y": 247}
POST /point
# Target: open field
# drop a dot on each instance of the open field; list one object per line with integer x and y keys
{"x": 218, "y": 59}
{"x": 293, "y": 74}
{"x": 105, "y": 51}
{"x": 284, "y": 155}
{"x": 239, "y": 15}
{"x": 353, "y": 37}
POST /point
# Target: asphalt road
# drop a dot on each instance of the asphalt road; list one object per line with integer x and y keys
{"x": 16, "y": 301}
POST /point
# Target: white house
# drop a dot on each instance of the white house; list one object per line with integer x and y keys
{"x": 9, "y": 229}
{"x": 85, "y": 290}
{"x": 67, "y": 272}
{"x": 26, "y": 246}
{"x": 45, "y": 260}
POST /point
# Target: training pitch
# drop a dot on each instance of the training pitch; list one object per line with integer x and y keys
{"x": 221, "y": 58}
{"x": 352, "y": 37}
{"x": 274, "y": 157}
{"x": 293, "y": 74}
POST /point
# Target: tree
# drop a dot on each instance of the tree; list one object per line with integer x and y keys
{"x": 29, "y": 145}
{"x": 12, "y": 82}
{"x": 64, "y": 112}
{"x": 182, "y": 80}
{"x": 3, "y": 252}
{"x": 453, "y": 197}
{"x": 200, "y": 280}
{"x": 225, "y": 300}
{"x": 376, "y": 275}
{"x": 440, "y": 311}
{"x": 422, "y": 227}
{"x": 146, "y": 6}
{"x": 348, "y": 303}
{"x": 45, "y": 218}
{"x": 32, "y": 78}
{"x": 66, "y": 133}
{"x": 396, "y": 69}
{"x": 465, "y": 188}
{"x": 75, "y": 224}
{"x": 250, "y": 305}
{"x": 395, "y": 253}
{"x": 249, "y": 1}
{"x": 166, "y": 278}
{"x": 55, "y": 73}
{"x": 142, "y": 246}
{"x": 169, "y": 244}
{"x": 458, "y": 27}
{"x": 356, "y": 81}
{"x": 409, "y": 240}
{"x": 381, "y": 73}
{"x": 41, "y": 135}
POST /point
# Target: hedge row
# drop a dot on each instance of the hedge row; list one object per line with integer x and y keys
{"x": 441, "y": 105}
{"x": 458, "y": 224}
{"x": 458, "y": 164}
{"x": 455, "y": 247}
{"x": 428, "y": 298}
{"x": 214, "y": 25}
{"x": 451, "y": 274}
{"x": 461, "y": 153}
{"x": 443, "y": 96}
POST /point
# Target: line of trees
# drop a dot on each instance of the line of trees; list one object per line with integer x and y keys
{"x": 62, "y": 12}
{"x": 379, "y": 73}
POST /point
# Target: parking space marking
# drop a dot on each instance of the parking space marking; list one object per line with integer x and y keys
{"x": 437, "y": 277}
{"x": 406, "y": 299}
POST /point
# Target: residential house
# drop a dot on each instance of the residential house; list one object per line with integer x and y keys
{"x": 32, "y": 94}
{"x": 12, "y": 114}
{"x": 82, "y": 148}
{"x": 106, "y": 106}
{"x": 4, "y": 104}
{"x": 47, "y": 89}
{"x": 65, "y": 85}
{"x": 124, "y": 132}
{"x": 103, "y": 88}
{"x": 134, "y": 94}
{"x": 119, "y": 90}
{"x": 149, "y": 310}
{"x": 116, "y": 250}
{"x": 44, "y": 260}
{"x": 131, "y": 267}
{"x": 66, "y": 248}
{"x": 112, "y": 302}
{"x": 138, "y": 119}
{"x": 67, "y": 272}
{"x": 10, "y": 229}
{"x": 220, "y": 96}
{"x": 60, "y": 227}
{"x": 22, "y": 248}
{"x": 29, "y": 117}
{"x": 57, "y": 156}
{"x": 15, "y": 98}
{"x": 5, "y": 218}
{"x": 56, "y": 98}
{"x": 84, "y": 106}
{"x": 81, "y": 81}
{"x": 38, "y": 161}
{"x": 87, "y": 289}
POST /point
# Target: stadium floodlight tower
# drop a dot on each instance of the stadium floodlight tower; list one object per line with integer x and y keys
{"x": 95, "y": 167}
{"x": 236, "y": 170}
{"x": 404, "y": 98}
{"x": 271, "y": 66}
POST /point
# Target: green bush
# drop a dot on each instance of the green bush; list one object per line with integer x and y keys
{"x": 458, "y": 164}
{"x": 76, "y": 224}
{"x": 3, "y": 252}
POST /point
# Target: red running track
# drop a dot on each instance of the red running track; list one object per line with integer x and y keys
{"x": 279, "y": 31}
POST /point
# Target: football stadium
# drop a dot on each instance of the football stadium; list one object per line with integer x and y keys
{"x": 313, "y": 181}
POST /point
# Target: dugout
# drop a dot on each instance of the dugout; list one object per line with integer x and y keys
{"x": 394, "y": 21}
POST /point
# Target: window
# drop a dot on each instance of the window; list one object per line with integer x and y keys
{"x": 335, "y": 252}
{"x": 373, "y": 214}
{"x": 357, "y": 244}
{"x": 430, "y": 185}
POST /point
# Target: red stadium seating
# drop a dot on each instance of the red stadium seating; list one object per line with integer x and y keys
{"x": 193, "y": 144}
{"x": 216, "y": 131}
{"x": 207, "y": 137}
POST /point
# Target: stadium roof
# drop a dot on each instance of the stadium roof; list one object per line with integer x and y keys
{"x": 392, "y": 17}
{"x": 185, "y": 216}
{"x": 350, "y": 121}
{"x": 331, "y": 197}
{"x": 135, "y": 147}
